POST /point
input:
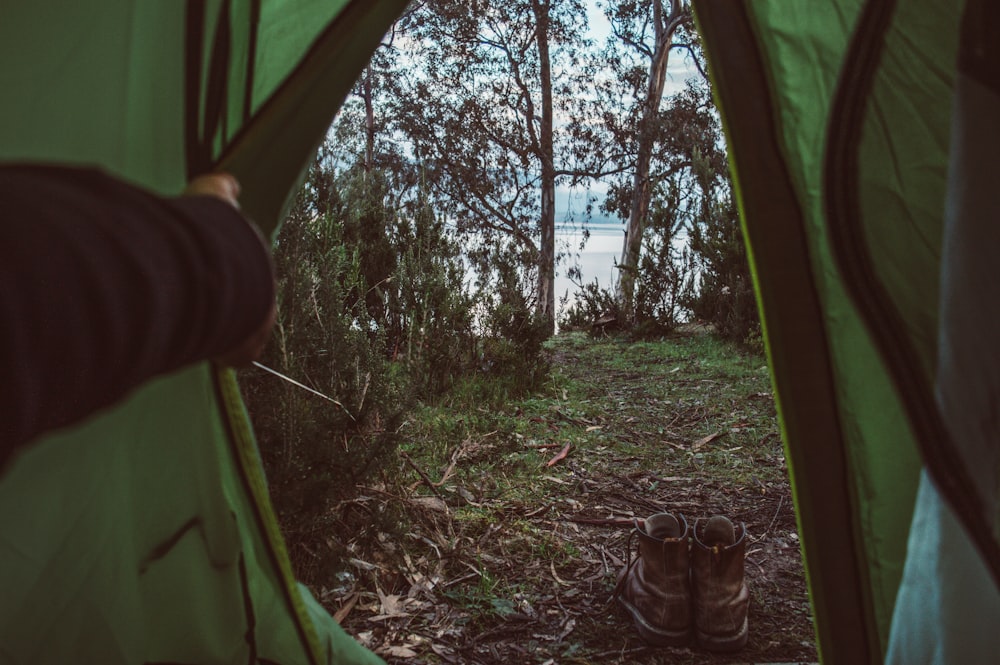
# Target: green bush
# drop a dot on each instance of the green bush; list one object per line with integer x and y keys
{"x": 431, "y": 311}
{"x": 591, "y": 304}
{"x": 663, "y": 266}
{"x": 374, "y": 312}
{"x": 721, "y": 287}
{"x": 316, "y": 452}
{"x": 512, "y": 335}
{"x": 660, "y": 280}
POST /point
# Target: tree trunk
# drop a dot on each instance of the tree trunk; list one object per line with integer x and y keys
{"x": 664, "y": 27}
{"x": 366, "y": 94}
{"x": 547, "y": 247}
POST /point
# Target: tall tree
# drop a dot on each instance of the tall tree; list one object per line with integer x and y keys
{"x": 647, "y": 29}
{"x": 480, "y": 111}
{"x": 689, "y": 144}
{"x": 547, "y": 222}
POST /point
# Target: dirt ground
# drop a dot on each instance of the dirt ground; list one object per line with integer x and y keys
{"x": 492, "y": 568}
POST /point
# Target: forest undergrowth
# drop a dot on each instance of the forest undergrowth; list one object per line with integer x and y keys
{"x": 496, "y": 530}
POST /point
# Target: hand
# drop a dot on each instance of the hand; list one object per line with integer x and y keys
{"x": 220, "y": 185}
{"x": 226, "y": 188}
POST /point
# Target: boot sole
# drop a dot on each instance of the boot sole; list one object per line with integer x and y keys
{"x": 653, "y": 635}
{"x": 724, "y": 643}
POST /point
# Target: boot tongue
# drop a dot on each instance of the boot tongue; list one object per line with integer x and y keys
{"x": 719, "y": 531}
{"x": 663, "y": 526}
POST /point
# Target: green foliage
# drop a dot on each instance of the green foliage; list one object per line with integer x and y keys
{"x": 661, "y": 276}
{"x": 663, "y": 265}
{"x": 478, "y": 111}
{"x": 375, "y": 313}
{"x": 721, "y": 288}
{"x": 409, "y": 263}
{"x": 430, "y": 309}
{"x": 591, "y": 304}
{"x": 317, "y": 451}
{"x": 693, "y": 262}
{"x": 512, "y": 335}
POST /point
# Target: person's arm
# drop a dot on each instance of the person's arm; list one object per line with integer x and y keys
{"x": 104, "y": 285}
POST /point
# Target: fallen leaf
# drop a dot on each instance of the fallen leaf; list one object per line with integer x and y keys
{"x": 593, "y": 428}
{"x": 399, "y": 652}
{"x": 444, "y": 652}
{"x": 363, "y": 565}
{"x": 567, "y": 629}
{"x": 346, "y": 608}
{"x": 555, "y": 480}
{"x": 702, "y": 442}
{"x": 561, "y": 455}
{"x": 467, "y": 495}
{"x": 538, "y": 511}
{"x": 552, "y": 567}
{"x": 430, "y": 503}
{"x": 391, "y": 605}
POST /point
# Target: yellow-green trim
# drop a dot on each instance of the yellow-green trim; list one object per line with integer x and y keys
{"x": 244, "y": 446}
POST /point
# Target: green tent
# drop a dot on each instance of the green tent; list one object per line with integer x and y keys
{"x": 861, "y": 137}
{"x": 146, "y": 534}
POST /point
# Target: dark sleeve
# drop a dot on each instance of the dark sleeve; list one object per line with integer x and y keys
{"x": 104, "y": 285}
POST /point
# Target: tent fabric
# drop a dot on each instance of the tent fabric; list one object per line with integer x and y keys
{"x": 968, "y": 379}
{"x": 839, "y": 120}
{"x": 948, "y": 603}
{"x": 145, "y": 534}
{"x": 775, "y": 154}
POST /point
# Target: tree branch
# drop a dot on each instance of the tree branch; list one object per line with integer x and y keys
{"x": 694, "y": 56}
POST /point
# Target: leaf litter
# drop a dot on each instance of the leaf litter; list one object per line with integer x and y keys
{"x": 505, "y": 554}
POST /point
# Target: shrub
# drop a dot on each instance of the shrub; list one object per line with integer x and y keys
{"x": 512, "y": 334}
{"x": 431, "y": 311}
{"x": 591, "y": 304}
{"x": 721, "y": 288}
{"x": 317, "y": 451}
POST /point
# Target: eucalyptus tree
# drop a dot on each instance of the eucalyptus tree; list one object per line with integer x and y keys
{"x": 492, "y": 109}
{"x": 644, "y": 33}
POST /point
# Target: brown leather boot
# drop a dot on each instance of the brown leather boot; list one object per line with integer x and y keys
{"x": 720, "y": 593}
{"x": 654, "y": 588}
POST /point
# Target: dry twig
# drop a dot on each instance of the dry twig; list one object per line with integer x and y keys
{"x": 420, "y": 472}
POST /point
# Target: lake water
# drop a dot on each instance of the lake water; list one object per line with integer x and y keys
{"x": 596, "y": 261}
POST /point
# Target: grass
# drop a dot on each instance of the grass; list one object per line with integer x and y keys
{"x": 506, "y": 552}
